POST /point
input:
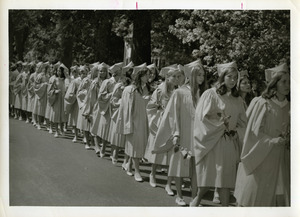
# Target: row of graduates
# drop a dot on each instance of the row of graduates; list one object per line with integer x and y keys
{"x": 197, "y": 133}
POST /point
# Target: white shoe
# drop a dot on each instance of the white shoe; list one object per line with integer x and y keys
{"x": 101, "y": 154}
{"x": 152, "y": 181}
{"x": 114, "y": 161}
{"x": 38, "y": 127}
{"x": 87, "y": 147}
{"x": 27, "y": 121}
{"x": 193, "y": 203}
{"x": 50, "y": 131}
{"x": 216, "y": 200}
{"x": 75, "y": 139}
{"x": 138, "y": 177}
{"x": 62, "y": 133}
{"x": 129, "y": 173}
{"x": 20, "y": 118}
{"x": 180, "y": 201}
{"x": 84, "y": 140}
{"x": 124, "y": 166}
{"x": 169, "y": 191}
{"x": 56, "y": 135}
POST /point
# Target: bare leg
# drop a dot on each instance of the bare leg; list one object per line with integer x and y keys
{"x": 56, "y": 129}
{"x": 125, "y": 165}
{"x": 102, "y": 150}
{"x": 201, "y": 192}
{"x": 178, "y": 183}
{"x": 137, "y": 173}
{"x": 193, "y": 178}
{"x": 97, "y": 147}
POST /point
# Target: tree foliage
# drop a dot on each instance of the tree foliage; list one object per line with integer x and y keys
{"x": 256, "y": 39}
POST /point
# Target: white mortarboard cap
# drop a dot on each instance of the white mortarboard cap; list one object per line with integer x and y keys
{"x": 163, "y": 72}
{"x": 189, "y": 67}
{"x": 101, "y": 66}
{"x": 273, "y": 72}
{"x": 39, "y": 66}
{"x": 139, "y": 68}
{"x": 116, "y": 67}
{"x": 242, "y": 74}
{"x": 94, "y": 64}
{"x": 127, "y": 67}
{"x": 66, "y": 70}
{"x": 222, "y": 67}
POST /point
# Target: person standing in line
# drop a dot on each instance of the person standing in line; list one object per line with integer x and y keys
{"x": 17, "y": 91}
{"x": 101, "y": 127}
{"x": 263, "y": 177}
{"x": 30, "y": 89}
{"x": 13, "y": 73}
{"x": 155, "y": 110}
{"x": 52, "y": 78}
{"x": 31, "y": 70}
{"x": 219, "y": 114}
{"x": 40, "y": 89}
{"x": 56, "y": 99}
{"x": 24, "y": 92}
{"x": 175, "y": 132}
{"x": 95, "y": 114}
{"x": 244, "y": 89}
{"x": 88, "y": 107}
{"x": 71, "y": 105}
{"x": 81, "y": 97}
{"x": 116, "y": 140}
{"x": 132, "y": 119}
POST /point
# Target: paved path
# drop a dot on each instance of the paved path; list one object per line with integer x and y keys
{"x": 48, "y": 171}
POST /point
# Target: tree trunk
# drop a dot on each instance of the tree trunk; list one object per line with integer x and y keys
{"x": 67, "y": 39}
{"x": 141, "y": 38}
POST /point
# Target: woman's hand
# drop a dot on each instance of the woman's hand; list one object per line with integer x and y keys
{"x": 146, "y": 97}
{"x": 176, "y": 143}
{"x": 57, "y": 91}
{"x": 278, "y": 141}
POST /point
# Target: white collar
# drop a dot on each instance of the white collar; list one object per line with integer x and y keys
{"x": 281, "y": 104}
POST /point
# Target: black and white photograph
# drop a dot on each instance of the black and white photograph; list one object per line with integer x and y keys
{"x": 157, "y": 111}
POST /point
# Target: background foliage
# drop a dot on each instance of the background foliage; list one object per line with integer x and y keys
{"x": 255, "y": 39}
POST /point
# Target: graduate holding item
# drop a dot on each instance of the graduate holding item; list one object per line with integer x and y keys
{"x": 264, "y": 172}
{"x": 219, "y": 114}
{"x": 155, "y": 110}
{"x": 175, "y": 133}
